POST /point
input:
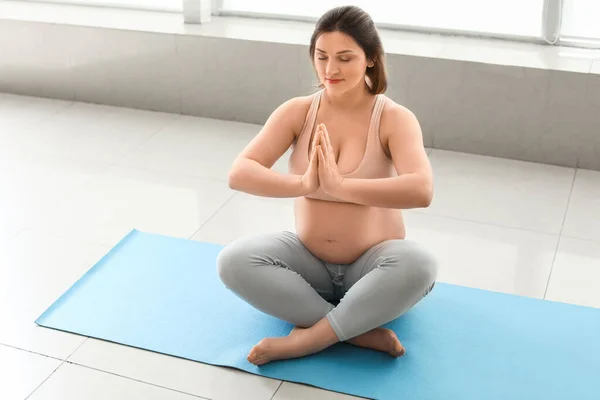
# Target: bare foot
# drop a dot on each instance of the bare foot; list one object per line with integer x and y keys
{"x": 299, "y": 343}
{"x": 380, "y": 339}
{"x": 271, "y": 349}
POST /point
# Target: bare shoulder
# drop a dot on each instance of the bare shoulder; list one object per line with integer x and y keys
{"x": 278, "y": 133}
{"x": 295, "y": 111}
{"x": 396, "y": 119}
{"x": 398, "y": 128}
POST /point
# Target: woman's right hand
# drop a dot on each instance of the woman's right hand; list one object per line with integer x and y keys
{"x": 310, "y": 179}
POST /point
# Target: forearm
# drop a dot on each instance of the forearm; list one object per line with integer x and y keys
{"x": 251, "y": 177}
{"x": 401, "y": 192}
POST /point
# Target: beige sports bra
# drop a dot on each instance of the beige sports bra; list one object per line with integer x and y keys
{"x": 374, "y": 164}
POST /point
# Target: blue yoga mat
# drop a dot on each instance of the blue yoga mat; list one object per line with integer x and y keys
{"x": 163, "y": 294}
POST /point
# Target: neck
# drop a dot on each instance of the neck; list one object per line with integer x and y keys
{"x": 350, "y": 100}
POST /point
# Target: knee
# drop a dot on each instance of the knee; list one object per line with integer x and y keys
{"x": 237, "y": 261}
{"x": 419, "y": 263}
{"x": 230, "y": 261}
{"x": 428, "y": 265}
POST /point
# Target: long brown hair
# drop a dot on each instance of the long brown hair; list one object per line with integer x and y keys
{"x": 356, "y": 23}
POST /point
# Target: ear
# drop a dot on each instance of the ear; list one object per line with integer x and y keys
{"x": 371, "y": 63}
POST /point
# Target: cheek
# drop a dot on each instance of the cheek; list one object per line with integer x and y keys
{"x": 319, "y": 67}
{"x": 355, "y": 70}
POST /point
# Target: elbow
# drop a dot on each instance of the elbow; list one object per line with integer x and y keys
{"x": 425, "y": 195}
{"x": 234, "y": 179}
{"x": 426, "y": 199}
{"x": 240, "y": 174}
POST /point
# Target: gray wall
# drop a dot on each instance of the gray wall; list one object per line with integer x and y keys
{"x": 522, "y": 113}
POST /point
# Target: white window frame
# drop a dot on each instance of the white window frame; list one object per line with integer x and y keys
{"x": 109, "y": 3}
{"x": 552, "y": 15}
{"x": 198, "y": 11}
{"x": 201, "y": 11}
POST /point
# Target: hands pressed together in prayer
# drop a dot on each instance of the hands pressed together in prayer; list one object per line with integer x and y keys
{"x": 322, "y": 169}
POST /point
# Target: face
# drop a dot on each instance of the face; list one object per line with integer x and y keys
{"x": 340, "y": 62}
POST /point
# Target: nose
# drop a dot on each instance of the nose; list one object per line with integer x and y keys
{"x": 332, "y": 68}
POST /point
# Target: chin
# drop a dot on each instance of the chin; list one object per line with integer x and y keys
{"x": 339, "y": 88}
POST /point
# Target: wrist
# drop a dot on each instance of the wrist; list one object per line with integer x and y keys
{"x": 338, "y": 190}
{"x": 301, "y": 185}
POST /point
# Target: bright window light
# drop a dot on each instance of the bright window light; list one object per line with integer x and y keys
{"x": 154, "y": 5}
{"x": 580, "y": 19}
{"x": 505, "y": 17}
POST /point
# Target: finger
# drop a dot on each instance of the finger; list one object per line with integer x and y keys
{"x": 316, "y": 138}
{"x": 321, "y": 142}
{"x": 327, "y": 139}
{"x": 311, "y": 160}
{"x": 321, "y": 156}
{"x": 314, "y": 157}
{"x": 315, "y": 141}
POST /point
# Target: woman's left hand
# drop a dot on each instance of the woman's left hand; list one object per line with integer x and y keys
{"x": 329, "y": 174}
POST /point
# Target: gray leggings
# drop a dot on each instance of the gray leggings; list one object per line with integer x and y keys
{"x": 277, "y": 275}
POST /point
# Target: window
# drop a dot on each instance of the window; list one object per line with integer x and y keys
{"x": 508, "y": 19}
{"x": 154, "y": 5}
{"x": 580, "y": 19}
{"x": 504, "y": 17}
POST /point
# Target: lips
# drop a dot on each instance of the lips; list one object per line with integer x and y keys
{"x": 333, "y": 80}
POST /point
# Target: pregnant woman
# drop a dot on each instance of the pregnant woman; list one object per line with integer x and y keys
{"x": 357, "y": 160}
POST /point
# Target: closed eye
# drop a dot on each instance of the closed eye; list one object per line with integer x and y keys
{"x": 341, "y": 59}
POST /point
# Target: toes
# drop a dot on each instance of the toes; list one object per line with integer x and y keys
{"x": 253, "y": 355}
{"x": 402, "y": 351}
{"x": 399, "y": 350}
{"x": 257, "y": 355}
{"x": 254, "y": 359}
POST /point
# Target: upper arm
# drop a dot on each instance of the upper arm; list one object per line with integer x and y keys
{"x": 277, "y": 134}
{"x": 405, "y": 143}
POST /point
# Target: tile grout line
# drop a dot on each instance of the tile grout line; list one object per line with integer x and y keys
{"x": 135, "y": 380}
{"x": 276, "y": 390}
{"x": 66, "y": 360}
{"x": 143, "y": 142}
{"x": 39, "y": 122}
{"x": 159, "y": 171}
{"x": 13, "y": 237}
{"x": 78, "y": 347}
{"x": 62, "y": 361}
{"x": 31, "y": 352}
{"x": 472, "y": 221}
{"x": 596, "y": 241}
{"x": 62, "y": 200}
{"x": 212, "y": 215}
{"x": 560, "y": 233}
{"x": 45, "y": 380}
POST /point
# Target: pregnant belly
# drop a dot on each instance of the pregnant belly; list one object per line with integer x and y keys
{"x": 339, "y": 233}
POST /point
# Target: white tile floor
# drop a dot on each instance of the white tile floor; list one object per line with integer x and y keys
{"x": 76, "y": 177}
